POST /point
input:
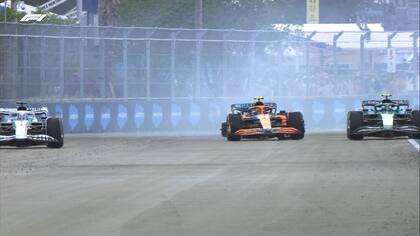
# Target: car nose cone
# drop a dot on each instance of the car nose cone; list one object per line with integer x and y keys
{"x": 267, "y": 131}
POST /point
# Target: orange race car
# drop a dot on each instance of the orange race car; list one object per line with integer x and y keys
{"x": 257, "y": 120}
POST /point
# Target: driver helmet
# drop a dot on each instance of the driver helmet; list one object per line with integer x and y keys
{"x": 259, "y": 101}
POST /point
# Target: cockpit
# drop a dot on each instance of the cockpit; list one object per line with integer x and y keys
{"x": 387, "y": 108}
{"x": 260, "y": 110}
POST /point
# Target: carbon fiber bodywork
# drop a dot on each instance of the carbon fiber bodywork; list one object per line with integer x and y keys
{"x": 381, "y": 132}
{"x": 30, "y": 140}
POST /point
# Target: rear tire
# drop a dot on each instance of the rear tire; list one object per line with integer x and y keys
{"x": 415, "y": 117}
{"x": 296, "y": 121}
{"x": 233, "y": 125}
{"x": 55, "y": 130}
{"x": 354, "y": 121}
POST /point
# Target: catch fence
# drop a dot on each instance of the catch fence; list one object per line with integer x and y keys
{"x": 102, "y": 79}
{"x": 72, "y": 62}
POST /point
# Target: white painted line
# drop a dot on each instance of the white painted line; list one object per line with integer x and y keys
{"x": 415, "y": 144}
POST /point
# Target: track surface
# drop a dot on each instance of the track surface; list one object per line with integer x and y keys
{"x": 322, "y": 185}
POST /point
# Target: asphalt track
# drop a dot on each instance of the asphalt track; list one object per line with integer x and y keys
{"x": 204, "y": 185}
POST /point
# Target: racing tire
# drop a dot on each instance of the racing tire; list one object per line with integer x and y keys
{"x": 415, "y": 117}
{"x": 55, "y": 130}
{"x": 233, "y": 125}
{"x": 354, "y": 121}
{"x": 223, "y": 129}
{"x": 296, "y": 121}
{"x": 281, "y": 137}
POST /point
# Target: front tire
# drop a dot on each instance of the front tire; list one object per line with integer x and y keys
{"x": 296, "y": 121}
{"x": 55, "y": 130}
{"x": 415, "y": 118}
{"x": 233, "y": 125}
{"x": 354, "y": 121}
{"x": 223, "y": 129}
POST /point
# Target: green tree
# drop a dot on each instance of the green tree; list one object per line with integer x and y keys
{"x": 240, "y": 14}
{"x": 108, "y": 12}
{"x": 12, "y": 15}
{"x": 55, "y": 19}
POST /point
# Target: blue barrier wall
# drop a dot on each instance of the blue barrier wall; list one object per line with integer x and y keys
{"x": 188, "y": 115}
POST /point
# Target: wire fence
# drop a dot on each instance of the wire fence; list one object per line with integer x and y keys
{"x": 72, "y": 62}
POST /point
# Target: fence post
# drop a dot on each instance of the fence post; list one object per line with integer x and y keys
{"x": 198, "y": 47}
{"x": 363, "y": 37}
{"x": 148, "y": 70}
{"x": 25, "y": 67}
{"x": 252, "y": 58}
{"x": 81, "y": 64}
{"x": 173, "y": 62}
{"x": 390, "y": 37}
{"x": 335, "y": 39}
{"x": 43, "y": 84}
{"x": 104, "y": 78}
{"x": 415, "y": 62}
{"x": 9, "y": 68}
{"x": 307, "y": 56}
{"x": 224, "y": 63}
{"x": 62, "y": 66}
{"x": 149, "y": 34}
{"x": 125, "y": 73}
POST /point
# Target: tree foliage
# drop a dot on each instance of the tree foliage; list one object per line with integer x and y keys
{"x": 55, "y": 19}
{"x": 108, "y": 13}
{"x": 240, "y": 14}
{"x": 249, "y": 14}
{"x": 12, "y": 15}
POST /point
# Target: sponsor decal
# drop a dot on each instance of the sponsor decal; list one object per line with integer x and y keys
{"x": 73, "y": 117}
{"x": 312, "y": 11}
{"x": 58, "y": 110}
{"x": 122, "y": 116}
{"x": 138, "y": 115}
{"x": 33, "y": 17}
{"x": 89, "y": 117}
{"x": 105, "y": 117}
{"x": 175, "y": 115}
{"x": 157, "y": 115}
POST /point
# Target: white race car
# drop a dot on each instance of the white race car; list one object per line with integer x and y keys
{"x": 24, "y": 126}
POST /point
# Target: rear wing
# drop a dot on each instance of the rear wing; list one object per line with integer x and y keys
{"x": 378, "y": 102}
{"x": 243, "y": 107}
{"x": 7, "y": 110}
{"x": 37, "y": 110}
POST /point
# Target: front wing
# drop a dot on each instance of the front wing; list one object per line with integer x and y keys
{"x": 266, "y": 132}
{"x": 30, "y": 140}
{"x": 380, "y": 131}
